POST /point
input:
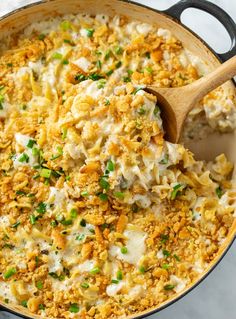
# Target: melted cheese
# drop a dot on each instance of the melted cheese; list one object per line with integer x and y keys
{"x": 144, "y": 28}
{"x": 179, "y": 283}
{"x": 86, "y": 266}
{"x": 83, "y": 64}
{"x": 113, "y": 289}
{"x": 135, "y": 244}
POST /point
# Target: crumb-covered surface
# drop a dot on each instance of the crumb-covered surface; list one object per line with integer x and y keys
{"x": 100, "y": 217}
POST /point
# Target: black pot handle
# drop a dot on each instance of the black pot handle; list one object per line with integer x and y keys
{"x": 176, "y": 10}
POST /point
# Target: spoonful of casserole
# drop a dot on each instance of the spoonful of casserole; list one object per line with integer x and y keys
{"x": 176, "y": 103}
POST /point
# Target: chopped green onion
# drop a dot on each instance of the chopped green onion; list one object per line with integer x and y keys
{"x": 73, "y": 213}
{"x": 30, "y": 143}
{"x": 104, "y": 226}
{"x": 156, "y": 111}
{"x": 136, "y": 90}
{"x": 1, "y": 101}
{"x": 54, "y": 223}
{"x": 119, "y": 195}
{"x": 107, "y": 102}
{"x": 65, "y": 25}
{"x": 90, "y": 32}
{"x": 57, "y": 55}
{"x": 41, "y": 159}
{"x": 60, "y": 218}
{"x": 84, "y": 194}
{"x": 61, "y": 277}
{"x": 8, "y": 246}
{"x": 141, "y": 111}
{"x": 103, "y": 197}
{"x": 80, "y": 237}
{"x": 9, "y": 273}
{"x": 24, "y": 303}
{"x": 74, "y": 308}
{"x": 66, "y": 222}
{"x": 23, "y": 158}
{"x": 95, "y": 76}
{"x": 166, "y": 253}
{"x": 32, "y": 219}
{"x": 124, "y": 250}
{"x": 104, "y": 183}
{"x": 219, "y": 192}
{"x": 169, "y": 287}
{"x": 10, "y": 65}
{"x": 118, "y": 64}
{"x": 68, "y": 178}
{"x": 101, "y": 84}
{"x": 59, "y": 154}
{"x": 41, "y": 36}
{"x": 119, "y": 275}
{"x": 142, "y": 269}
{"x": 110, "y": 166}
{"x": 107, "y": 55}
{"x": 20, "y": 193}
{"x": 53, "y": 275}
{"x": 65, "y": 62}
{"x": 67, "y": 41}
{"x": 99, "y": 64}
{"x": 164, "y": 238}
{"x": 83, "y": 222}
{"x": 118, "y": 50}
{"x": 135, "y": 208}
{"x": 165, "y": 160}
{"x": 39, "y": 284}
{"x": 126, "y": 79}
{"x": 108, "y": 73}
{"x": 64, "y": 133}
{"x": 165, "y": 266}
{"x": 95, "y": 270}
{"x": 45, "y": 172}
{"x": 115, "y": 281}
{"x": 42, "y": 207}
{"x": 85, "y": 285}
{"x": 15, "y": 225}
{"x": 35, "y": 151}
{"x": 175, "y": 191}
{"x": 41, "y": 306}
{"x": 147, "y": 54}
{"x": 80, "y": 77}
{"x": 37, "y": 261}
{"x": 176, "y": 257}
{"x": 149, "y": 70}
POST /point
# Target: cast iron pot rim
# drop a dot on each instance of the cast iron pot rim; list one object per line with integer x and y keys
{"x": 207, "y": 46}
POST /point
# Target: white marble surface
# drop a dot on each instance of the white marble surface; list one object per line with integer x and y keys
{"x": 215, "y": 297}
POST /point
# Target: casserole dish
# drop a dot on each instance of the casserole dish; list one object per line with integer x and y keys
{"x": 19, "y": 19}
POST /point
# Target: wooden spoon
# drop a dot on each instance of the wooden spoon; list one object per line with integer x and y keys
{"x": 176, "y": 103}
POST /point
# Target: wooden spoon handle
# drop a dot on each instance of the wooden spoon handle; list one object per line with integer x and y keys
{"x": 214, "y": 79}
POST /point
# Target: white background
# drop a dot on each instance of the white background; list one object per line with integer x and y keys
{"x": 215, "y": 298}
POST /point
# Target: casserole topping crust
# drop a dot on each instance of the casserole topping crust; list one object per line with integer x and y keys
{"x": 100, "y": 217}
